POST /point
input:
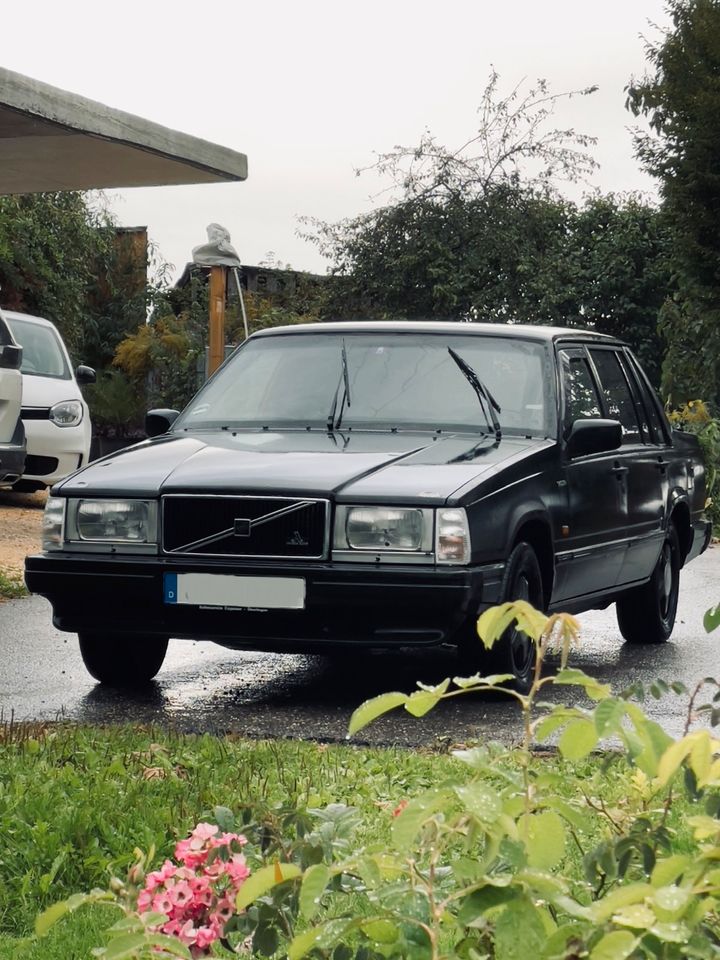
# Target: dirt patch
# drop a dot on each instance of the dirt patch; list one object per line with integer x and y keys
{"x": 20, "y": 525}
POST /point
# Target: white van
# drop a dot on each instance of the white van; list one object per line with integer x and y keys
{"x": 55, "y": 415}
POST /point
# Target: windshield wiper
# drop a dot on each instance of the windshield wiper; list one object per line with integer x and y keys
{"x": 488, "y": 402}
{"x": 344, "y": 381}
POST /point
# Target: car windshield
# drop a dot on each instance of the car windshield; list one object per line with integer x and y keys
{"x": 42, "y": 353}
{"x": 396, "y": 380}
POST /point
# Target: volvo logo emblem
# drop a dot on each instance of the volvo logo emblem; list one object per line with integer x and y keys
{"x": 296, "y": 540}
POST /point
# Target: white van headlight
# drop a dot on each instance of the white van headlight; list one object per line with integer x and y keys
{"x": 67, "y": 413}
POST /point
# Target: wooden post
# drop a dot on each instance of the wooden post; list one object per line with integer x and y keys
{"x": 218, "y": 283}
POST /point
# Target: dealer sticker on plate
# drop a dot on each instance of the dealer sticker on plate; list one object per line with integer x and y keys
{"x": 233, "y": 592}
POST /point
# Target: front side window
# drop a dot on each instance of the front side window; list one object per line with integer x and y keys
{"x": 402, "y": 381}
{"x": 581, "y": 397}
{"x": 42, "y": 354}
{"x": 616, "y": 392}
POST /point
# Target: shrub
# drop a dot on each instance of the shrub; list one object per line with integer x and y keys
{"x": 516, "y": 861}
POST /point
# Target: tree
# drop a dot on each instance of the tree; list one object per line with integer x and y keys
{"x": 60, "y": 258}
{"x": 680, "y": 97}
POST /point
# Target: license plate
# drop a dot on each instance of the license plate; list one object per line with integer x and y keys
{"x": 234, "y": 593}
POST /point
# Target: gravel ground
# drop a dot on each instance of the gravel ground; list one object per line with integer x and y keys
{"x": 20, "y": 520}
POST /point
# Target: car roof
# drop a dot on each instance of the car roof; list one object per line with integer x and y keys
{"x": 14, "y": 315}
{"x": 524, "y": 331}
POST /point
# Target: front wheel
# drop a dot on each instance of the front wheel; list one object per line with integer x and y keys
{"x": 514, "y": 652}
{"x": 647, "y": 614}
{"x": 122, "y": 660}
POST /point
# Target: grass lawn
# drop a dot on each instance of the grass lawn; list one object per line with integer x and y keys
{"x": 76, "y": 802}
{"x": 11, "y": 586}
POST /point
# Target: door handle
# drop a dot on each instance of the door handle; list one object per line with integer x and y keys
{"x": 662, "y": 464}
{"x": 619, "y": 470}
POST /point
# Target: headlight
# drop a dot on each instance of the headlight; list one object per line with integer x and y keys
{"x": 384, "y": 528}
{"x": 452, "y": 536}
{"x": 68, "y": 413}
{"x": 52, "y": 523}
{"x": 126, "y": 521}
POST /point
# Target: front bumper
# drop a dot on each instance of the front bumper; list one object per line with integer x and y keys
{"x": 356, "y": 604}
{"x": 55, "y": 452}
{"x": 12, "y": 456}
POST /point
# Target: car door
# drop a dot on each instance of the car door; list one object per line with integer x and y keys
{"x": 638, "y": 474}
{"x": 10, "y": 388}
{"x": 594, "y": 540}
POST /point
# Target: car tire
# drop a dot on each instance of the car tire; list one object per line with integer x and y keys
{"x": 647, "y": 614}
{"x": 514, "y": 652}
{"x": 122, "y": 660}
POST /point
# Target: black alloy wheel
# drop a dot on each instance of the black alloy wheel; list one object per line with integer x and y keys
{"x": 122, "y": 660}
{"x": 647, "y": 614}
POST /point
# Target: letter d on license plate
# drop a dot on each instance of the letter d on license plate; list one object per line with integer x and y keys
{"x": 223, "y": 590}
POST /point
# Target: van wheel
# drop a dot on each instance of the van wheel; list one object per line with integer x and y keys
{"x": 122, "y": 660}
{"x": 647, "y": 613}
{"x": 514, "y": 652}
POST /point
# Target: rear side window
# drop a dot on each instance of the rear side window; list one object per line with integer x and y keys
{"x": 616, "y": 393}
{"x": 581, "y": 397}
{"x": 651, "y": 403}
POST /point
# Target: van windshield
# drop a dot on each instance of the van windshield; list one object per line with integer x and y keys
{"x": 378, "y": 381}
{"x": 42, "y": 354}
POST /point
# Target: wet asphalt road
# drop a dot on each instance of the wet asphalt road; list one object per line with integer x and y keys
{"x": 203, "y": 688}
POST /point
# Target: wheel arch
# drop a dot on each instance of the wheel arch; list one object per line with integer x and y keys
{"x": 680, "y": 519}
{"x": 535, "y": 531}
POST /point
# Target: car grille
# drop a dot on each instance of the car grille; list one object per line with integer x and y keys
{"x": 35, "y": 413}
{"x": 245, "y": 526}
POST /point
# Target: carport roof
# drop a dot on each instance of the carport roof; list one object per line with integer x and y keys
{"x": 51, "y": 139}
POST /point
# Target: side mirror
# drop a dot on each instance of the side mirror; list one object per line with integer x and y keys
{"x": 594, "y": 436}
{"x": 158, "y": 422}
{"x": 11, "y": 356}
{"x": 84, "y": 375}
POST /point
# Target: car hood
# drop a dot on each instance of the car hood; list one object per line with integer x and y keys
{"x": 358, "y": 466}
{"x": 47, "y": 391}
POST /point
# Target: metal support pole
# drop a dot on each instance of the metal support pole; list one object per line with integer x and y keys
{"x": 242, "y": 301}
{"x": 218, "y": 286}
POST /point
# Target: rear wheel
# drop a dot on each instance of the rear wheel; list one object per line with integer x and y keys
{"x": 122, "y": 660}
{"x": 514, "y": 652}
{"x": 647, "y": 614}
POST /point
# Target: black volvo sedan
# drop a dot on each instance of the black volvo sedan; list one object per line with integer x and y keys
{"x": 378, "y": 485}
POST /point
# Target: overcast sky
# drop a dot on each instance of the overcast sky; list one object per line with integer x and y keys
{"x": 308, "y": 90}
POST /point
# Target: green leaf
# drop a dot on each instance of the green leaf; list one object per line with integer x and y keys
{"x": 668, "y": 870}
{"x": 381, "y": 931}
{"x": 420, "y": 702}
{"x": 481, "y": 801}
{"x": 407, "y": 825}
{"x": 263, "y": 880}
{"x": 711, "y": 620}
{"x": 324, "y": 936}
{"x": 578, "y": 739}
{"x": 493, "y": 623}
{"x": 577, "y": 678}
{"x": 519, "y": 932}
{"x": 49, "y": 917}
{"x": 545, "y": 840}
{"x": 619, "y": 898}
{"x": 169, "y": 944}
{"x": 475, "y": 905}
{"x": 124, "y": 947}
{"x": 608, "y": 715}
{"x": 374, "y": 708}
{"x": 313, "y": 886}
{"x": 637, "y": 915}
{"x": 548, "y": 725}
{"x": 614, "y": 946}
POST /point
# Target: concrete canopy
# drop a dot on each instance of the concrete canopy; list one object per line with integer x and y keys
{"x": 54, "y": 140}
